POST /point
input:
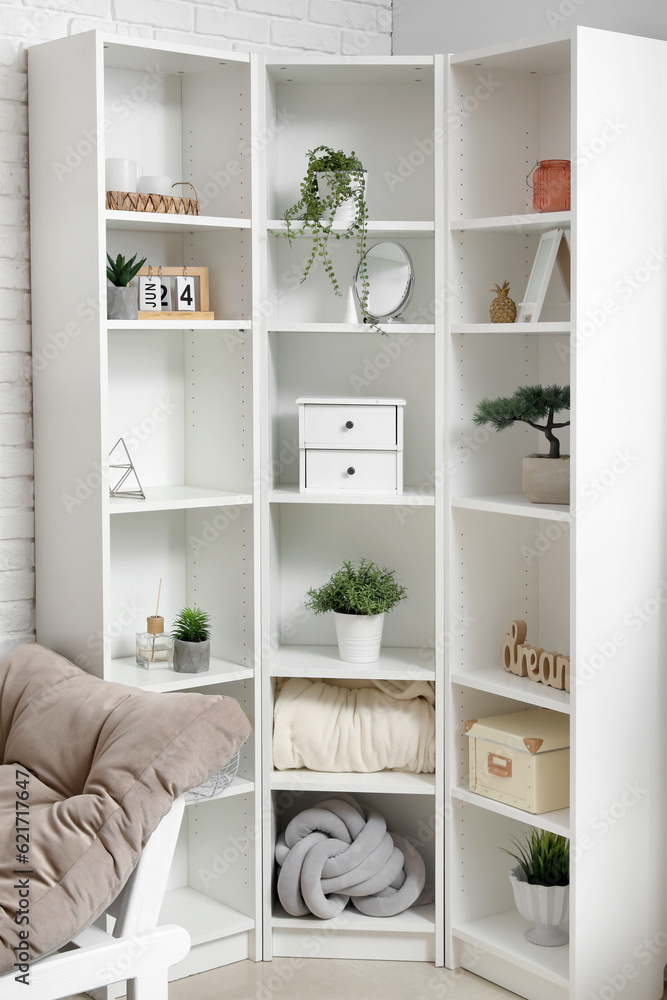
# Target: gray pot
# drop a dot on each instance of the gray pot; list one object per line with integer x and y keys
{"x": 192, "y": 657}
{"x": 122, "y": 302}
{"x": 546, "y": 480}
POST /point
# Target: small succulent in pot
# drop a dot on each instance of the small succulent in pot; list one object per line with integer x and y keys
{"x": 122, "y": 302}
{"x": 191, "y": 633}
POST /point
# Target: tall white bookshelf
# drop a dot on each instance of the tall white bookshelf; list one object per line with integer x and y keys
{"x": 225, "y": 524}
{"x": 181, "y": 395}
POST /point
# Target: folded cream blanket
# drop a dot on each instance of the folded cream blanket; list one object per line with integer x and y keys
{"x": 330, "y": 726}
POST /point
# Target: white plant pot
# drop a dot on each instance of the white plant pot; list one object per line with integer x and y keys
{"x": 346, "y": 213}
{"x": 359, "y": 637}
{"x": 545, "y": 906}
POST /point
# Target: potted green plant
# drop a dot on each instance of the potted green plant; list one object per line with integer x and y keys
{"x": 192, "y": 641}
{"x": 546, "y": 478}
{"x": 332, "y": 206}
{"x": 359, "y": 597}
{"x": 122, "y": 302}
{"x": 541, "y": 884}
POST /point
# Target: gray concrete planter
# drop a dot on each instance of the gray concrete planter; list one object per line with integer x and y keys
{"x": 546, "y": 480}
{"x": 122, "y": 303}
{"x": 192, "y": 657}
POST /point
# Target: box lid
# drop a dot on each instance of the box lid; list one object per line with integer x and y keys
{"x": 349, "y": 401}
{"x": 534, "y": 731}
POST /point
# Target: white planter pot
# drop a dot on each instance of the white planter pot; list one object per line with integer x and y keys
{"x": 545, "y": 906}
{"x": 546, "y": 480}
{"x": 346, "y": 213}
{"x": 359, "y": 637}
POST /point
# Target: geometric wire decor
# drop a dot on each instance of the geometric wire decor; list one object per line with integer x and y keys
{"x": 128, "y": 471}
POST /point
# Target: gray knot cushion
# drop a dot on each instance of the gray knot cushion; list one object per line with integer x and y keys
{"x": 103, "y": 764}
{"x": 340, "y": 851}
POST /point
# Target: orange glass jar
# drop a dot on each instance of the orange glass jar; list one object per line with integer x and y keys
{"x": 551, "y": 186}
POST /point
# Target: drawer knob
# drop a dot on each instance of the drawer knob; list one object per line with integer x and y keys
{"x": 349, "y": 424}
{"x": 350, "y": 471}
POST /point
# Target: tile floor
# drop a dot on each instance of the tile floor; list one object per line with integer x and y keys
{"x": 323, "y": 979}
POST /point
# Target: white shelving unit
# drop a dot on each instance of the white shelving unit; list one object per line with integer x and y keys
{"x": 181, "y": 395}
{"x": 310, "y": 351}
{"x": 572, "y": 573}
{"x": 209, "y": 412}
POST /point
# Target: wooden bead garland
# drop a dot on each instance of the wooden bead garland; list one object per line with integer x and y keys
{"x": 518, "y": 657}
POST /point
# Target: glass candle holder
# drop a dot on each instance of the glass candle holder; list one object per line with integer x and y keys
{"x": 154, "y": 647}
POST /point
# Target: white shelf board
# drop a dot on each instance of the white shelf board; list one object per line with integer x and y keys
{"x": 393, "y": 782}
{"x": 516, "y": 504}
{"x": 203, "y": 918}
{"x": 416, "y": 920}
{"x": 388, "y": 328}
{"x": 388, "y": 230}
{"x": 361, "y": 71}
{"x": 239, "y": 786}
{"x": 133, "y": 53}
{"x": 411, "y": 496}
{"x": 539, "y": 328}
{"x": 156, "y": 222}
{"x": 177, "y": 498}
{"x": 503, "y": 935}
{"x": 126, "y": 671}
{"x": 518, "y": 225}
{"x": 557, "y": 821}
{"x": 541, "y": 56}
{"x": 498, "y": 681}
{"x": 395, "y": 663}
{"x": 179, "y": 324}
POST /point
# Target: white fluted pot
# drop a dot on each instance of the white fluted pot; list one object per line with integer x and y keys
{"x": 346, "y": 212}
{"x": 544, "y": 905}
{"x": 359, "y": 637}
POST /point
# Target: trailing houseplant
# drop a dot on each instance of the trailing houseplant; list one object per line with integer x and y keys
{"x": 545, "y": 480}
{"x": 359, "y": 597}
{"x": 540, "y": 882}
{"x": 121, "y": 300}
{"x": 191, "y": 633}
{"x": 332, "y": 193}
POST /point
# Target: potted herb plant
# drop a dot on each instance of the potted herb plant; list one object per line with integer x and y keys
{"x": 546, "y": 478}
{"x": 359, "y": 597}
{"x": 122, "y": 301}
{"x": 192, "y": 641}
{"x": 541, "y": 884}
{"x": 332, "y": 206}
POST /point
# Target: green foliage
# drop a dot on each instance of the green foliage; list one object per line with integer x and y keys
{"x": 191, "y": 625}
{"x": 544, "y": 857}
{"x": 120, "y": 272}
{"x": 341, "y": 168}
{"x": 528, "y": 404}
{"x": 368, "y": 589}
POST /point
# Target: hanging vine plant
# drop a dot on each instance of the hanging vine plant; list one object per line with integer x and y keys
{"x": 332, "y": 178}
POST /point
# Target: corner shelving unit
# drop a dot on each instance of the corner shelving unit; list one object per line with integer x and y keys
{"x": 208, "y": 409}
{"x": 572, "y": 573}
{"x": 180, "y": 393}
{"x": 306, "y": 535}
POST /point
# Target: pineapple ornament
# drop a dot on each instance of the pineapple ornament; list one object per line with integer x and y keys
{"x": 503, "y": 309}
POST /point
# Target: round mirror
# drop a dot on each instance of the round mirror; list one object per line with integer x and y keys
{"x": 390, "y": 281}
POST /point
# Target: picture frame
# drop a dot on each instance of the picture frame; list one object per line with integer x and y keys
{"x": 553, "y": 246}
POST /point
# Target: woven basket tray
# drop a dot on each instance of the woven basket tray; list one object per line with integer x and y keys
{"x": 163, "y": 204}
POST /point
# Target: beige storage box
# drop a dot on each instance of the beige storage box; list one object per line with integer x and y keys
{"x": 522, "y": 759}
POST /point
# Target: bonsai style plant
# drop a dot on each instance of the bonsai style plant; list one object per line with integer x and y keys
{"x": 359, "y": 597}
{"x": 544, "y": 480}
{"x": 540, "y": 882}
{"x": 121, "y": 300}
{"x": 192, "y": 641}
{"x": 332, "y": 193}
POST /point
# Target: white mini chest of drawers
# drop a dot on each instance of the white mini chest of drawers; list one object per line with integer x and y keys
{"x": 350, "y": 445}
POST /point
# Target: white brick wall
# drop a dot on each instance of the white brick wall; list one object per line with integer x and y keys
{"x": 348, "y": 27}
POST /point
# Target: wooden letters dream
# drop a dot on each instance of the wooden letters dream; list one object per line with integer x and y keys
{"x": 528, "y": 661}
